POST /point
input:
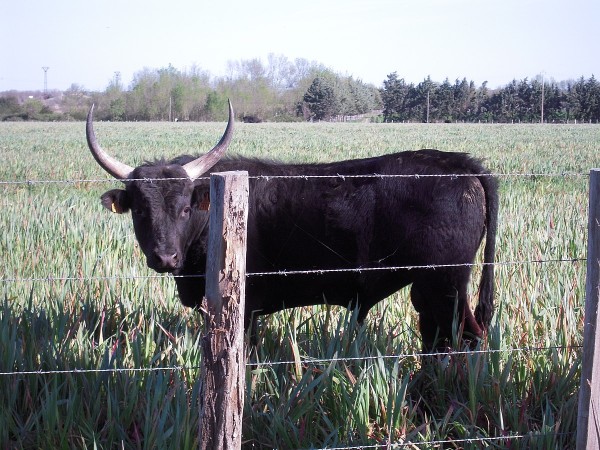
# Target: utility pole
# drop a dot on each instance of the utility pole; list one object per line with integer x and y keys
{"x": 45, "y": 69}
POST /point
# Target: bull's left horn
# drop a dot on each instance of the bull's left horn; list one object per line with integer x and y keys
{"x": 116, "y": 168}
{"x": 201, "y": 165}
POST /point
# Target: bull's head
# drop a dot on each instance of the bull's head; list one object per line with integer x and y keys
{"x": 166, "y": 205}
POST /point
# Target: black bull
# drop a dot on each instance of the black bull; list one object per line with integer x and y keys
{"x": 333, "y": 222}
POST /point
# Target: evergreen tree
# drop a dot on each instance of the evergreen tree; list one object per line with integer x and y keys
{"x": 394, "y": 95}
{"x": 320, "y": 98}
{"x": 444, "y": 102}
{"x": 589, "y": 101}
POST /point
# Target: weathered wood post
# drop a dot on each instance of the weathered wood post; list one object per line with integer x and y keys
{"x": 588, "y": 418}
{"x": 223, "y": 359}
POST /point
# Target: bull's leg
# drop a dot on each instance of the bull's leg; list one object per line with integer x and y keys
{"x": 441, "y": 305}
{"x": 251, "y": 327}
{"x": 427, "y": 322}
{"x": 363, "y": 311}
{"x": 471, "y": 330}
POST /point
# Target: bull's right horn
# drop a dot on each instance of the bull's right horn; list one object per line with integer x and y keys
{"x": 201, "y": 165}
{"x": 116, "y": 168}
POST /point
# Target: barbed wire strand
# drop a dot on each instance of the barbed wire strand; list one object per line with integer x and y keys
{"x": 393, "y": 445}
{"x": 323, "y": 361}
{"x": 52, "y": 278}
{"x": 303, "y": 360}
{"x": 308, "y": 177}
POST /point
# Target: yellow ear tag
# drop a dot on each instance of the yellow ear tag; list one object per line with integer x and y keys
{"x": 112, "y": 206}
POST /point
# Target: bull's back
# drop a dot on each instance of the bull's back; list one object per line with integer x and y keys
{"x": 345, "y": 223}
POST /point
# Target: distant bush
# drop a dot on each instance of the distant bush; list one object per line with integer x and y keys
{"x": 9, "y": 107}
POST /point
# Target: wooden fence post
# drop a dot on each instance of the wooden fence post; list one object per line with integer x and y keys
{"x": 588, "y": 416}
{"x": 223, "y": 359}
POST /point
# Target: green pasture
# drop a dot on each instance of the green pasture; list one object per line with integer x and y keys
{"x": 78, "y": 301}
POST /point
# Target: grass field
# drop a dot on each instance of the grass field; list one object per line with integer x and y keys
{"x": 76, "y": 295}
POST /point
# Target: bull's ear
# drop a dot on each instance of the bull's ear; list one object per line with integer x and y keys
{"x": 116, "y": 200}
{"x": 201, "y": 198}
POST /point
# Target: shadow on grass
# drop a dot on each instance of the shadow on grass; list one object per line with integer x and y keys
{"x": 317, "y": 379}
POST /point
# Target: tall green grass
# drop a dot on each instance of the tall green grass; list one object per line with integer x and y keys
{"x": 318, "y": 379}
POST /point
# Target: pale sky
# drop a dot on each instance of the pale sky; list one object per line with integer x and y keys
{"x": 86, "y": 42}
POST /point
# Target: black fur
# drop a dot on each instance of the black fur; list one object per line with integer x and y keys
{"x": 335, "y": 223}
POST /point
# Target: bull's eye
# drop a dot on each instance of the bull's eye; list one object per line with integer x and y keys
{"x": 185, "y": 212}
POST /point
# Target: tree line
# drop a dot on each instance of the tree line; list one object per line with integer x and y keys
{"x": 278, "y": 90}
{"x": 301, "y": 90}
{"x": 526, "y": 100}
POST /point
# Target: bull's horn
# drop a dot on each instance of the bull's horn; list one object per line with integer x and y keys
{"x": 201, "y": 165}
{"x": 116, "y": 168}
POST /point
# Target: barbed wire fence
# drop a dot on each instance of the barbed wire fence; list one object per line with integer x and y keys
{"x": 305, "y": 360}
{"x": 531, "y": 175}
{"x": 51, "y": 278}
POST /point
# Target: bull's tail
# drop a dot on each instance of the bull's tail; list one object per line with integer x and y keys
{"x": 485, "y": 309}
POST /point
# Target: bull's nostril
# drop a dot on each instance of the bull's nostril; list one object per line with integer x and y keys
{"x": 167, "y": 261}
